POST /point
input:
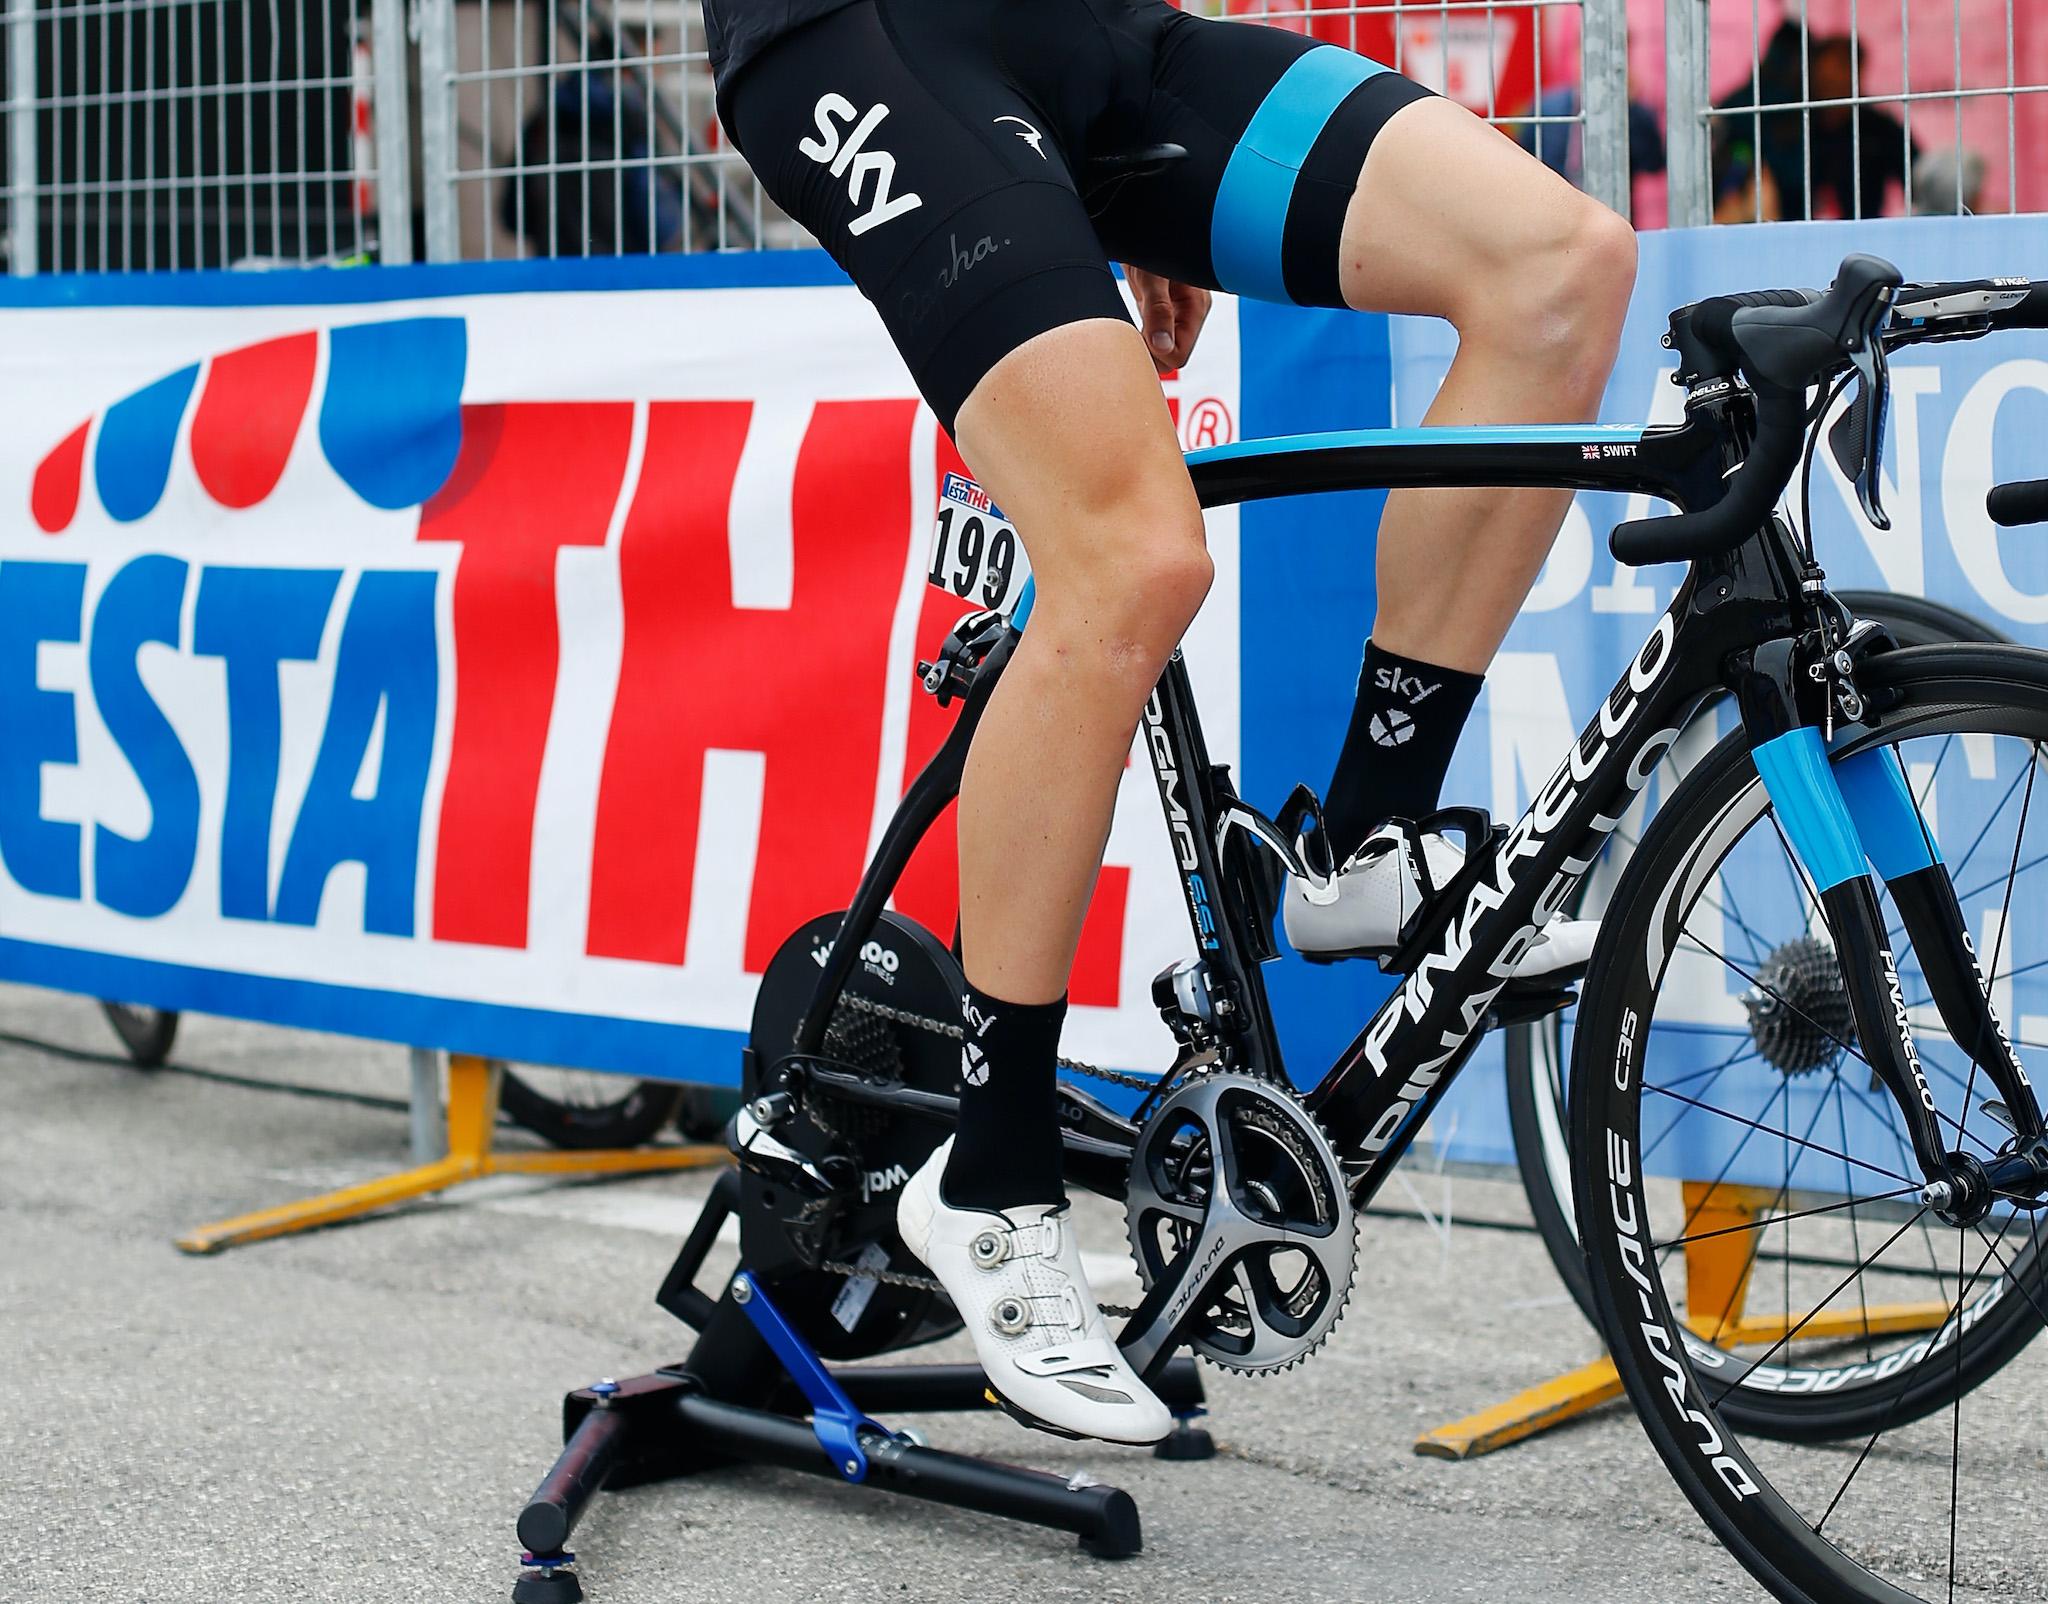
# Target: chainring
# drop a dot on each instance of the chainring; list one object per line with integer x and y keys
{"x": 1284, "y": 1293}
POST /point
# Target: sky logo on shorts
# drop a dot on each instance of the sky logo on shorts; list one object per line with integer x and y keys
{"x": 843, "y": 151}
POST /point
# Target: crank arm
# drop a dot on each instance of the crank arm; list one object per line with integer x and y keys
{"x": 1152, "y": 1333}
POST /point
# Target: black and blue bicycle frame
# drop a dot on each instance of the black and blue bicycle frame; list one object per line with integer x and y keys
{"x": 1741, "y": 622}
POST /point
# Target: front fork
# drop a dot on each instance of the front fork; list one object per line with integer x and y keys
{"x": 1845, "y": 818}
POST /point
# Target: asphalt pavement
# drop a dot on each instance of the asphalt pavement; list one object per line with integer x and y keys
{"x": 357, "y": 1415}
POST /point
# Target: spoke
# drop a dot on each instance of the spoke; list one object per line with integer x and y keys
{"x": 1715, "y": 1184}
{"x": 1806, "y": 1319}
{"x": 1997, "y": 951}
{"x": 1955, "y": 1447}
{"x": 1855, "y": 1231}
{"x": 1801, "y": 886}
{"x": 2011, "y": 1274}
{"x": 1963, "y": 862}
{"x": 1829, "y": 1152}
{"x": 1740, "y": 1055}
{"x": 2034, "y": 862}
{"x": 1905, "y": 1386}
{"x": 1779, "y": 1219}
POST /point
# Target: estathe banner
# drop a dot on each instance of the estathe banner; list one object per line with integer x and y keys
{"x": 491, "y": 659}
{"x": 506, "y": 658}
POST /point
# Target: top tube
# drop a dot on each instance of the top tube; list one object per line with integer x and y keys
{"x": 1478, "y": 434}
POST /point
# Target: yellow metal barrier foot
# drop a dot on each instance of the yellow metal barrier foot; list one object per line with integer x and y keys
{"x": 1723, "y": 1223}
{"x": 472, "y": 1121}
{"x": 1536, "y": 1410}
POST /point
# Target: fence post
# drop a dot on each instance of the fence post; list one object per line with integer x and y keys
{"x": 392, "y": 106}
{"x": 1686, "y": 139}
{"x": 435, "y": 22}
{"x": 24, "y": 215}
{"x": 1603, "y": 69}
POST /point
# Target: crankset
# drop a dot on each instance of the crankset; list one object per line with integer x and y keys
{"x": 1241, "y": 1225}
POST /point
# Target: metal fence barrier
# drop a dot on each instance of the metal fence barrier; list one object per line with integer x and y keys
{"x": 145, "y": 135}
{"x": 161, "y": 134}
{"x": 1792, "y": 109}
{"x": 586, "y": 127}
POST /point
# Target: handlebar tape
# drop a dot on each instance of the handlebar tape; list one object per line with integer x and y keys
{"x": 1747, "y": 506}
{"x": 1785, "y": 340}
{"x": 2023, "y": 502}
{"x": 2032, "y": 313}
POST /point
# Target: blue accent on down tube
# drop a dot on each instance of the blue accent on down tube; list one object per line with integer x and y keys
{"x": 1895, "y": 837}
{"x": 1802, "y": 788}
{"x": 1250, "y": 217}
{"x": 834, "y": 1420}
{"x": 1027, "y": 598}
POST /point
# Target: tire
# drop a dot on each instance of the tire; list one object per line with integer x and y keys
{"x": 582, "y": 1109}
{"x": 1716, "y": 1415}
{"x": 146, "y": 1033}
{"x": 1536, "y": 1053}
{"x": 703, "y": 1111}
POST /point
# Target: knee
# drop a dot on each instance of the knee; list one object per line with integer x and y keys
{"x": 1147, "y": 589}
{"x": 1560, "y": 300}
{"x": 1598, "y": 266}
{"x": 1136, "y": 583}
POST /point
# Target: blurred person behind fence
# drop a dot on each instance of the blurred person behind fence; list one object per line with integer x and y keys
{"x": 1855, "y": 155}
{"x": 1948, "y": 182}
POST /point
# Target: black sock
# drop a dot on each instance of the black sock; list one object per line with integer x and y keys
{"x": 1007, "y": 1148}
{"x": 1404, "y": 728}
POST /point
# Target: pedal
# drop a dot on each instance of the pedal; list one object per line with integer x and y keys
{"x": 1028, "y": 1420}
{"x": 1525, "y": 1002}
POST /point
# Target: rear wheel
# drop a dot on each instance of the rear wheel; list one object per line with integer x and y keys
{"x": 1821, "y": 1361}
{"x": 579, "y": 1108}
{"x": 1538, "y": 1054}
{"x": 146, "y": 1033}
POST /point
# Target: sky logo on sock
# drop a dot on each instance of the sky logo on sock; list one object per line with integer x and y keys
{"x": 1407, "y": 685}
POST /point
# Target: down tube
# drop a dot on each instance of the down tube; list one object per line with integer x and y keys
{"x": 1377, "y": 1095}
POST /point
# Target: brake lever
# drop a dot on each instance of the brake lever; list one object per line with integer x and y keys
{"x": 1857, "y": 438}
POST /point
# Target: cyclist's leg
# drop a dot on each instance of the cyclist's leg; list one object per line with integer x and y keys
{"x": 976, "y": 249}
{"x": 1068, "y": 433}
{"x": 1536, "y": 277}
{"x": 1319, "y": 177}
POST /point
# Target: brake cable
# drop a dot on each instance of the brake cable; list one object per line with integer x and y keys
{"x": 1814, "y": 419}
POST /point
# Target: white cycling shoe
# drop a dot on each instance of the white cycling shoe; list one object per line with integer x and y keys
{"x": 1362, "y": 910}
{"x": 1016, "y": 1278}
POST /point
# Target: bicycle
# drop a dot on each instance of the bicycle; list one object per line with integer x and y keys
{"x": 1241, "y": 1194}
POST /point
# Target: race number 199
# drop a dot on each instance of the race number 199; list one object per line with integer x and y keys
{"x": 975, "y": 551}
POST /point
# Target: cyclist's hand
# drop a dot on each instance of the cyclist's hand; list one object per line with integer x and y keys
{"x": 1172, "y": 315}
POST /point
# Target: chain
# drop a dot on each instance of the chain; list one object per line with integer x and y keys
{"x": 956, "y": 1032}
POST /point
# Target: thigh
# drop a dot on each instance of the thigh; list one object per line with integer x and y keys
{"x": 1447, "y": 210}
{"x": 892, "y": 133}
{"x": 1277, "y": 128}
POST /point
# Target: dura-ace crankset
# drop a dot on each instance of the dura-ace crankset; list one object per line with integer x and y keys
{"x": 1238, "y": 1212}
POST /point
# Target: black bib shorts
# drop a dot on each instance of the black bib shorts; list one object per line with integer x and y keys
{"x": 940, "y": 150}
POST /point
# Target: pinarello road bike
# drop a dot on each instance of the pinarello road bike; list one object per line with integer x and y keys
{"x": 1859, "y": 1082}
